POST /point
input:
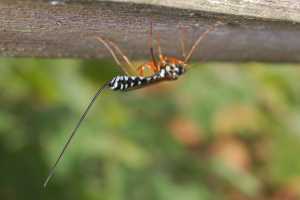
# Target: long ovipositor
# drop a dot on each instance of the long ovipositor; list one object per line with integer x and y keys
{"x": 126, "y": 83}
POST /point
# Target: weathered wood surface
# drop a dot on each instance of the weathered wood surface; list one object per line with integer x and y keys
{"x": 288, "y": 10}
{"x": 45, "y": 29}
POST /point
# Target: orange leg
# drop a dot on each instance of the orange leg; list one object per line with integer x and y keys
{"x": 150, "y": 66}
{"x": 154, "y": 66}
{"x": 200, "y": 38}
{"x": 151, "y": 45}
{"x": 182, "y": 40}
{"x": 141, "y": 70}
{"x": 129, "y": 68}
{"x": 159, "y": 49}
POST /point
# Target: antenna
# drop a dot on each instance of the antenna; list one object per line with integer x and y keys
{"x": 51, "y": 173}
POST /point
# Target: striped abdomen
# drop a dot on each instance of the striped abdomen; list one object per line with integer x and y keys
{"x": 125, "y": 83}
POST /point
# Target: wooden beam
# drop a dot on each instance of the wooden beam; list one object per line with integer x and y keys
{"x": 284, "y": 10}
{"x": 67, "y": 30}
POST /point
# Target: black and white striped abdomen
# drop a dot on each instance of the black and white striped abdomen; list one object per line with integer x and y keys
{"x": 125, "y": 83}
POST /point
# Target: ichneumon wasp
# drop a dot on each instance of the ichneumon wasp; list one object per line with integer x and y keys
{"x": 164, "y": 69}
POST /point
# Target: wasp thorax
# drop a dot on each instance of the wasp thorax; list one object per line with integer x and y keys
{"x": 173, "y": 71}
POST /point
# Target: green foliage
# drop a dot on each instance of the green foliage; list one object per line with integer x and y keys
{"x": 223, "y": 131}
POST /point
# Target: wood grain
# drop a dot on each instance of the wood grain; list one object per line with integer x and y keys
{"x": 285, "y": 10}
{"x": 67, "y": 30}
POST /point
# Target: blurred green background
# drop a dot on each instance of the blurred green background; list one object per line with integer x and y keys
{"x": 223, "y": 131}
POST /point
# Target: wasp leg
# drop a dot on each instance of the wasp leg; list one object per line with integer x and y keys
{"x": 141, "y": 70}
{"x": 159, "y": 48}
{"x": 105, "y": 43}
{"x": 131, "y": 70}
{"x": 151, "y": 66}
{"x": 182, "y": 40}
{"x": 200, "y": 38}
{"x": 100, "y": 39}
{"x": 151, "y": 45}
